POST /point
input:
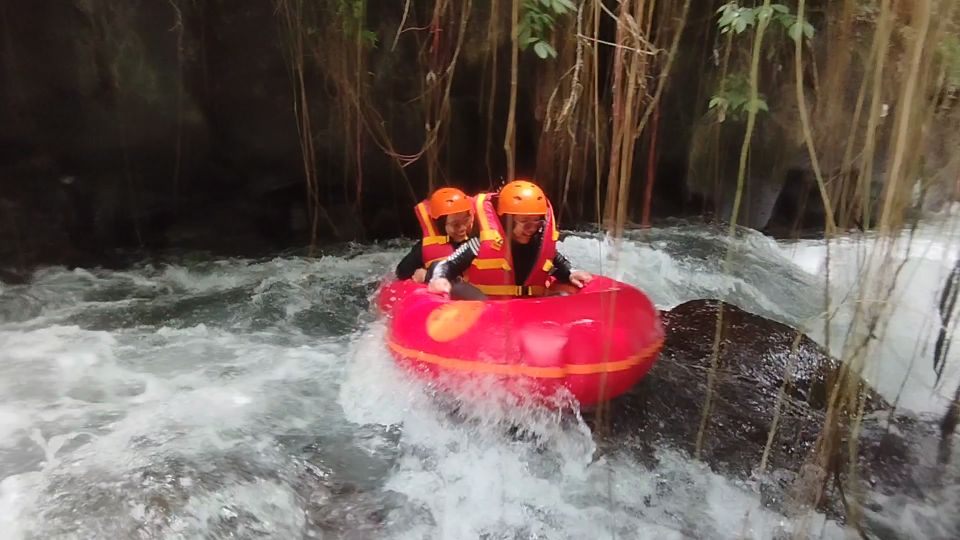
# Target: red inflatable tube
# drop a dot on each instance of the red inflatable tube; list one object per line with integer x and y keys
{"x": 596, "y": 343}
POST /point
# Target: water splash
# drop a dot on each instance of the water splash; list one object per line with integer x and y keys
{"x": 255, "y": 398}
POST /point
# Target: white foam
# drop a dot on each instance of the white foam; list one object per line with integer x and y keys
{"x": 900, "y": 355}
{"x": 178, "y": 365}
{"x": 17, "y": 501}
{"x": 474, "y": 478}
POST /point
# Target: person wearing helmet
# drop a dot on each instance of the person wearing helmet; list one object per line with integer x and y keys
{"x": 515, "y": 253}
{"x": 448, "y": 210}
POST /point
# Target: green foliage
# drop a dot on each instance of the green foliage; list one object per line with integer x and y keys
{"x": 733, "y": 99}
{"x": 738, "y": 19}
{"x": 353, "y": 14}
{"x": 537, "y": 19}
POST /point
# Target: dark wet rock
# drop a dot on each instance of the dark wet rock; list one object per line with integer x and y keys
{"x": 209, "y": 492}
{"x": 755, "y": 354}
{"x": 13, "y": 277}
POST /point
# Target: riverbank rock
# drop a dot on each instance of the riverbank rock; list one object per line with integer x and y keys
{"x": 755, "y": 354}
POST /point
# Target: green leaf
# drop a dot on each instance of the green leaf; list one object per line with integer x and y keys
{"x": 737, "y": 101}
{"x": 567, "y": 6}
{"x": 780, "y": 8}
{"x": 794, "y": 31}
{"x": 787, "y": 20}
{"x": 525, "y": 37}
{"x": 764, "y": 13}
{"x": 808, "y": 30}
{"x": 542, "y": 48}
{"x": 727, "y": 7}
{"x": 756, "y": 105}
{"x": 740, "y": 25}
{"x": 727, "y": 17}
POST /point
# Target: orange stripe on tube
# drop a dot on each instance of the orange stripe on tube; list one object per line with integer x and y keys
{"x": 477, "y": 366}
{"x": 452, "y": 320}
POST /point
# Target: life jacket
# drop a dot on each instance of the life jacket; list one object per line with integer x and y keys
{"x": 492, "y": 269}
{"x": 435, "y": 247}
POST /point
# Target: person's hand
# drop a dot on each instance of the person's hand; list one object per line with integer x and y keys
{"x": 420, "y": 275}
{"x": 439, "y": 286}
{"x": 580, "y": 278}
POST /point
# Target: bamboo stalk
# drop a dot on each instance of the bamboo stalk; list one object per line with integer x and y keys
{"x": 493, "y": 39}
{"x": 896, "y": 172}
{"x": 509, "y": 138}
{"x": 831, "y": 225}
{"x": 741, "y": 175}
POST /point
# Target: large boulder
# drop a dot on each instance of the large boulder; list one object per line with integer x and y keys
{"x": 755, "y": 356}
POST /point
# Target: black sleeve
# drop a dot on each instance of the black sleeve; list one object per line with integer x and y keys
{"x": 561, "y": 268}
{"x": 411, "y": 261}
{"x": 458, "y": 263}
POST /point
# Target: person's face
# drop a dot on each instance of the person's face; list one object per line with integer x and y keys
{"x": 458, "y": 226}
{"x": 525, "y": 227}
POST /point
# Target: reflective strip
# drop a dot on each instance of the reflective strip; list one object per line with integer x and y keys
{"x": 426, "y": 221}
{"x": 484, "y": 222}
{"x": 512, "y": 290}
{"x": 490, "y": 234}
{"x": 491, "y": 264}
{"x": 553, "y": 225}
{"x": 481, "y": 366}
{"x": 547, "y": 265}
{"x": 435, "y": 240}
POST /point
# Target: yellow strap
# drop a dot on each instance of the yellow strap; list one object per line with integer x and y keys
{"x": 490, "y": 234}
{"x": 426, "y": 220}
{"x": 484, "y": 223}
{"x": 511, "y": 290}
{"x": 547, "y": 265}
{"x": 553, "y": 223}
{"x": 536, "y": 290}
{"x": 434, "y": 240}
{"x": 491, "y": 264}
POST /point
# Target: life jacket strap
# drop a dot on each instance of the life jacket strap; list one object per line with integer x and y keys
{"x": 512, "y": 290}
{"x": 491, "y": 234}
{"x": 491, "y": 264}
{"x": 435, "y": 240}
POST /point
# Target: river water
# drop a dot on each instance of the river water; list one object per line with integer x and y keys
{"x": 237, "y": 398}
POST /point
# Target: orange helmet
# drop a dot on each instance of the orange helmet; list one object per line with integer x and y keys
{"x": 521, "y": 197}
{"x": 448, "y": 200}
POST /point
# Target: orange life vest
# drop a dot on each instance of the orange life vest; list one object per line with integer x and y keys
{"x": 435, "y": 246}
{"x": 492, "y": 269}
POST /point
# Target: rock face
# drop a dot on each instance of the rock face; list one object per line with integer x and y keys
{"x": 155, "y": 125}
{"x": 755, "y": 353}
{"x": 174, "y": 124}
